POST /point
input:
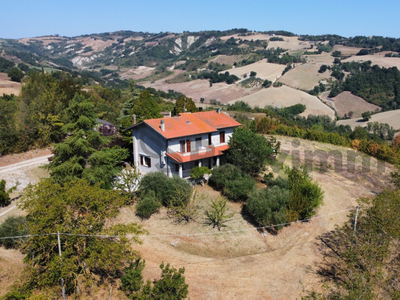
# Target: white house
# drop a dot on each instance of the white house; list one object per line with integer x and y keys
{"x": 174, "y": 145}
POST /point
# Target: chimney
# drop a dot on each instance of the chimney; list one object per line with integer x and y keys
{"x": 133, "y": 119}
{"x": 218, "y": 110}
{"x": 162, "y": 125}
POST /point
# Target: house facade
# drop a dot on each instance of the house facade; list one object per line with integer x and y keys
{"x": 174, "y": 145}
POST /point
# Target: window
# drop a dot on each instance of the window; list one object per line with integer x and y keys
{"x": 209, "y": 139}
{"x": 183, "y": 146}
{"x": 197, "y": 163}
{"x": 198, "y": 143}
{"x": 176, "y": 168}
{"x": 145, "y": 161}
{"x": 188, "y": 146}
{"x": 222, "y": 137}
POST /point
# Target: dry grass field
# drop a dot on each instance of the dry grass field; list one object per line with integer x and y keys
{"x": 377, "y": 59}
{"x": 285, "y": 96}
{"x": 390, "y": 117}
{"x": 304, "y": 76}
{"x": 289, "y": 43}
{"x": 320, "y": 59}
{"x": 7, "y": 86}
{"x": 263, "y": 69}
{"x": 238, "y": 262}
{"x": 346, "y": 102}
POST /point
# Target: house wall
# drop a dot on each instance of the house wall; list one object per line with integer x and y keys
{"x": 175, "y": 146}
{"x": 150, "y": 144}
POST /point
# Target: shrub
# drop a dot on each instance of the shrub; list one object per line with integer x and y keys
{"x": 279, "y": 182}
{"x": 267, "y": 206}
{"x": 13, "y": 226}
{"x": 234, "y": 184}
{"x": 199, "y": 172}
{"x": 148, "y": 205}
{"x": 165, "y": 188}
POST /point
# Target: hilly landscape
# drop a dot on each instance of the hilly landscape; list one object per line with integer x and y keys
{"x": 188, "y": 63}
{"x": 302, "y": 202}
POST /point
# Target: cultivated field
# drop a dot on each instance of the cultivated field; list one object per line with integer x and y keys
{"x": 377, "y": 59}
{"x": 263, "y": 69}
{"x": 390, "y": 117}
{"x": 238, "y": 262}
{"x": 7, "y": 86}
{"x": 346, "y": 102}
{"x": 320, "y": 59}
{"x": 197, "y": 89}
{"x": 346, "y": 51}
{"x": 289, "y": 43}
{"x": 304, "y": 76}
{"x": 285, "y": 96}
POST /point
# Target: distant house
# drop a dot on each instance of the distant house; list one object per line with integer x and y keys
{"x": 175, "y": 145}
{"x": 106, "y": 128}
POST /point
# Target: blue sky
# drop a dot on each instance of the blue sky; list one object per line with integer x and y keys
{"x": 29, "y": 18}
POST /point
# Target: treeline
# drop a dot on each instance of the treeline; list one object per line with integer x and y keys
{"x": 374, "y": 140}
{"x": 215, "y": 77}
{"x": 379, "y": 86}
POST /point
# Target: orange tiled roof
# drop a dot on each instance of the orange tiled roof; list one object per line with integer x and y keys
{"x": 196, "y": 155}
{"x": 217, "y": 120}
{"x": 186, "y": 124}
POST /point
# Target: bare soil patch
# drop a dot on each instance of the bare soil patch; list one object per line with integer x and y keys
{"x": 263, "y": 69}
{"x": 346, "y": 102}
{"x": 11, "y": 266}
{"x": 390, "y": 117}
{"x": 304, "y": 76}
{"x": 7, "y": 86}
{"x": 286, "y": 96}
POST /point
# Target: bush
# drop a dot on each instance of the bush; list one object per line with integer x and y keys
{"x": 267, "y": 206}
{"x": 234, "y": 184}
{"x": 148, "y": 205}
{"x": 165, "y": 188}
{"x": 13, "y": 226}
{"x": 199, "y": 172}
{"x": 279, "y": 182}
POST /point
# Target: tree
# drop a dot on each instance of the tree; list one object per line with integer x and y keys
{"x": 80, "y": 210}
{"x": 253, "y": 74}
{"x": 128, "y": 181}
{"x": 184, "y": 104}
{"x": 350, "y": 114}
{"x": 16, "y": 74}
{"x": 5, "y": 194}
{"x": 171, "y": 285}
{"x": 81, "y": 155}
{"x": 359, "y": 133}
{"x": 322, "y": 69}
{"x": 217, "y": 215}
{"x": 366, "y": 115}
{"x": 13, "y": 226}
{"x": 249, "y": 151}
{"x": 305, "y": 195}
{"x": 145, "y": 107}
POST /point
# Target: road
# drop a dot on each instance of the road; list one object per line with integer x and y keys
{"x": 20, "y": 172}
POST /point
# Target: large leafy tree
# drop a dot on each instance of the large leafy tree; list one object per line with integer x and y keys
{"x": 80, "y": 210}
{"x": 249, "y": 151}
{"x": 184, "y": 104}
{"x": 83, "y": 154}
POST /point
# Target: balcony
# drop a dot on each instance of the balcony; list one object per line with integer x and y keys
{"x": 203, "y": 152}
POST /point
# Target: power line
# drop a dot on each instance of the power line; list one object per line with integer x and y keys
{"x": 178, "y": 235}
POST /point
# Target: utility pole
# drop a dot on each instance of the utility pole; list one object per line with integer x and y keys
{"x": 59, "y": 252}
{"x": 355, "y": 220}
